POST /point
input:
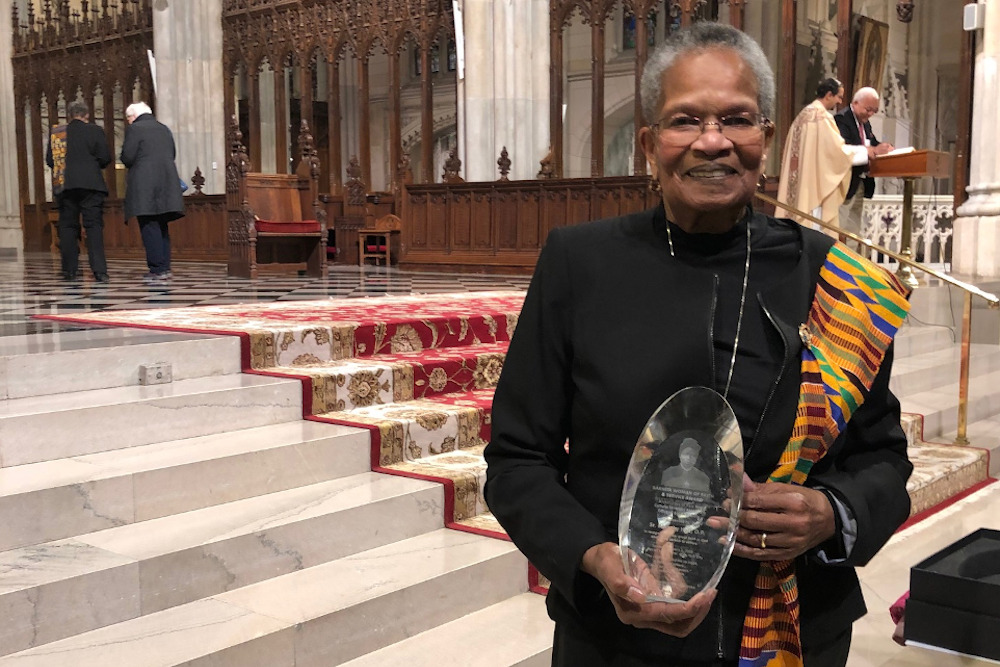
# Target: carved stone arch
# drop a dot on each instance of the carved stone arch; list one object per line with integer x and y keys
{"x": 444, "y": 119}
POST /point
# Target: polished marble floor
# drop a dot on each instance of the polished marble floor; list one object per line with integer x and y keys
{"x": 887, "y": 577}
{"x": 32, "y": 286}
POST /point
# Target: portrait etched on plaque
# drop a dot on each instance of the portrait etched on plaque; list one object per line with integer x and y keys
{"x": 681, "y": 496}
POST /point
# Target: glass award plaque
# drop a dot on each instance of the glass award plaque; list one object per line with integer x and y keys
{"x": 682, "y": 494}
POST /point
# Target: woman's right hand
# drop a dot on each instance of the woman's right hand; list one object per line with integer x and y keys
{"x": 604, "y": 563}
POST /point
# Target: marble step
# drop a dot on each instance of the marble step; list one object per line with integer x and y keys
{"x": 45, "y": 428}
{"x": 51, "y": 500}
{"x": 316, "y": 617}
{"x": 926, "y": 370}
{"x": 939, "y": 406}
{"x": 515, "y": 632}
{"x": 107, "y": 357}
{"x": 984, "y": 433}
{"x": 915, "y": 338}
{"x": 58, "y": 589}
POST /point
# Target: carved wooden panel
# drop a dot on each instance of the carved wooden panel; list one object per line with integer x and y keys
{"x": 437, "y": 225}
{"x": 507, "y": 219}
{"x": 529, "y": 221}
{"x": 257, "y": 29}
{"x": 460, "y": 222}
{"x": 199, "y": 235}
{"x": 482, "y": 221}
{"x": 502, "y": 225}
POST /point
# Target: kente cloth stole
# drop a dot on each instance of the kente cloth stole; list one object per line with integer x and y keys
{"x": 57, "y": 144}
{"x": 855, "y": 313}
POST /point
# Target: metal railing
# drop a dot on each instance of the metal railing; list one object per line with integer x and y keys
{"x": 970, "y": 291}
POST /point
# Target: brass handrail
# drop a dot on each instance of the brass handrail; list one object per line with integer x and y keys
{"x": 970, "y": 291}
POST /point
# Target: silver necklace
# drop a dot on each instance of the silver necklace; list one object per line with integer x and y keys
{"x": 743, "y": 299}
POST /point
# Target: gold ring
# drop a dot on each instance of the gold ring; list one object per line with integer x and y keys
{"x": 763, "y": 540}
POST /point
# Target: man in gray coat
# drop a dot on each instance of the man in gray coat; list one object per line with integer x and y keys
{"x": 153, "y": 188}
{"x": 77, "y": 153}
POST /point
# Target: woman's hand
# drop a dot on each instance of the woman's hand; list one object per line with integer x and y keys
{"x": 782, "y": 521}
{"x": 604, "y": 563}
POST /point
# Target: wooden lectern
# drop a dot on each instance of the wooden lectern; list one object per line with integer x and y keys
{"x": 910, "y": 166}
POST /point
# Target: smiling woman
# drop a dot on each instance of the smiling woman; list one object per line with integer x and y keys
{"x": 702, "y": 291}
{"x": 707, "y": 151}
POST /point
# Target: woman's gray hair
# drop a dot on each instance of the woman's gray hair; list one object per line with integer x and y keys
{"x": 701, "y": 37}
{"x": 137, "y": 109}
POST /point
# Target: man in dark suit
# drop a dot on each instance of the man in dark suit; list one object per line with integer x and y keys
{"x": 77, "y": 153}
{"x": 855, "y": 128}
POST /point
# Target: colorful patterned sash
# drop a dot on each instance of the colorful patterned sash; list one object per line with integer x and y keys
{"x": 57, "y": 144}
{"x": 856, "y": 311}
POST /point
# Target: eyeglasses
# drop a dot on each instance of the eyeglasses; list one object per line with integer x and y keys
{"x": 682, "y": 130}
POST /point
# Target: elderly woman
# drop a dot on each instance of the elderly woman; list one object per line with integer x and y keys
{"x": 703, "y": 291}
{"x": 153, "y": 190}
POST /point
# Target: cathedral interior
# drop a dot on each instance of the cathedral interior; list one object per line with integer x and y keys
{"x": 254, "y": 509}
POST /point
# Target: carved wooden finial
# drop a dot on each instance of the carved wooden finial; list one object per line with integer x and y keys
{"x": 307, "y": 149}
{"x": 353, "y": 168}
{"x": 305, "y": 139}
{"x": 354, "y": 187}
{"x": 198, "y": 181}
{"x": 547, "y": 171}
{"x": 404, "y": 172}
{"x": 235, "y": 137}
{"x": 504, "y": 164}
{"x": 452, "y": 167}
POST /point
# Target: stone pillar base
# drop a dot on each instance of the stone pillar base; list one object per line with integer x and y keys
{"x": 11, "y": 237}
{"x": 976, "y": 246}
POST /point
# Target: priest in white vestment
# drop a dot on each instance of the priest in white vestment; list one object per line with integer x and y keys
{"x": 816, "y": 165}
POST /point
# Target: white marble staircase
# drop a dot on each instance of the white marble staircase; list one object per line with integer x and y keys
{"x": 925, "y": 379}
{"x": 205, "y": 523}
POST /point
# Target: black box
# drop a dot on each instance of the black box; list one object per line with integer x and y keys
{"x": 955, "y": 597}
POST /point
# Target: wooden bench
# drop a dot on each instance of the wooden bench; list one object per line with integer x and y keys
{"x": 274, "y": 219}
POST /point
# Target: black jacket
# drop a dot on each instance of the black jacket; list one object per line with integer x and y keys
{"x": 86, "y": 154}
{"x": 152, "y": 185}
{"x": 847, "y": 123}
{"x": 611, "y": 326}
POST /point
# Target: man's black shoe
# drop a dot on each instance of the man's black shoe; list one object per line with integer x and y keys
{"x": 102, "y": 278}
{"x": 69, "y": 276}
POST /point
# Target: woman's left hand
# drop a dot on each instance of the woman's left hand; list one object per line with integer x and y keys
{"x": 782, "y": 521}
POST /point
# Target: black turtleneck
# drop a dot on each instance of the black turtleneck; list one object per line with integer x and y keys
{"x": 774, "y": 252}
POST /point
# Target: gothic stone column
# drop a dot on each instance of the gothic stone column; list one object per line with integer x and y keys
{"x": 506, "y": 88}
{"x": 976, "y": 249}
{"x": 187, "y": 43}
{"x": 11, "y": 238}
